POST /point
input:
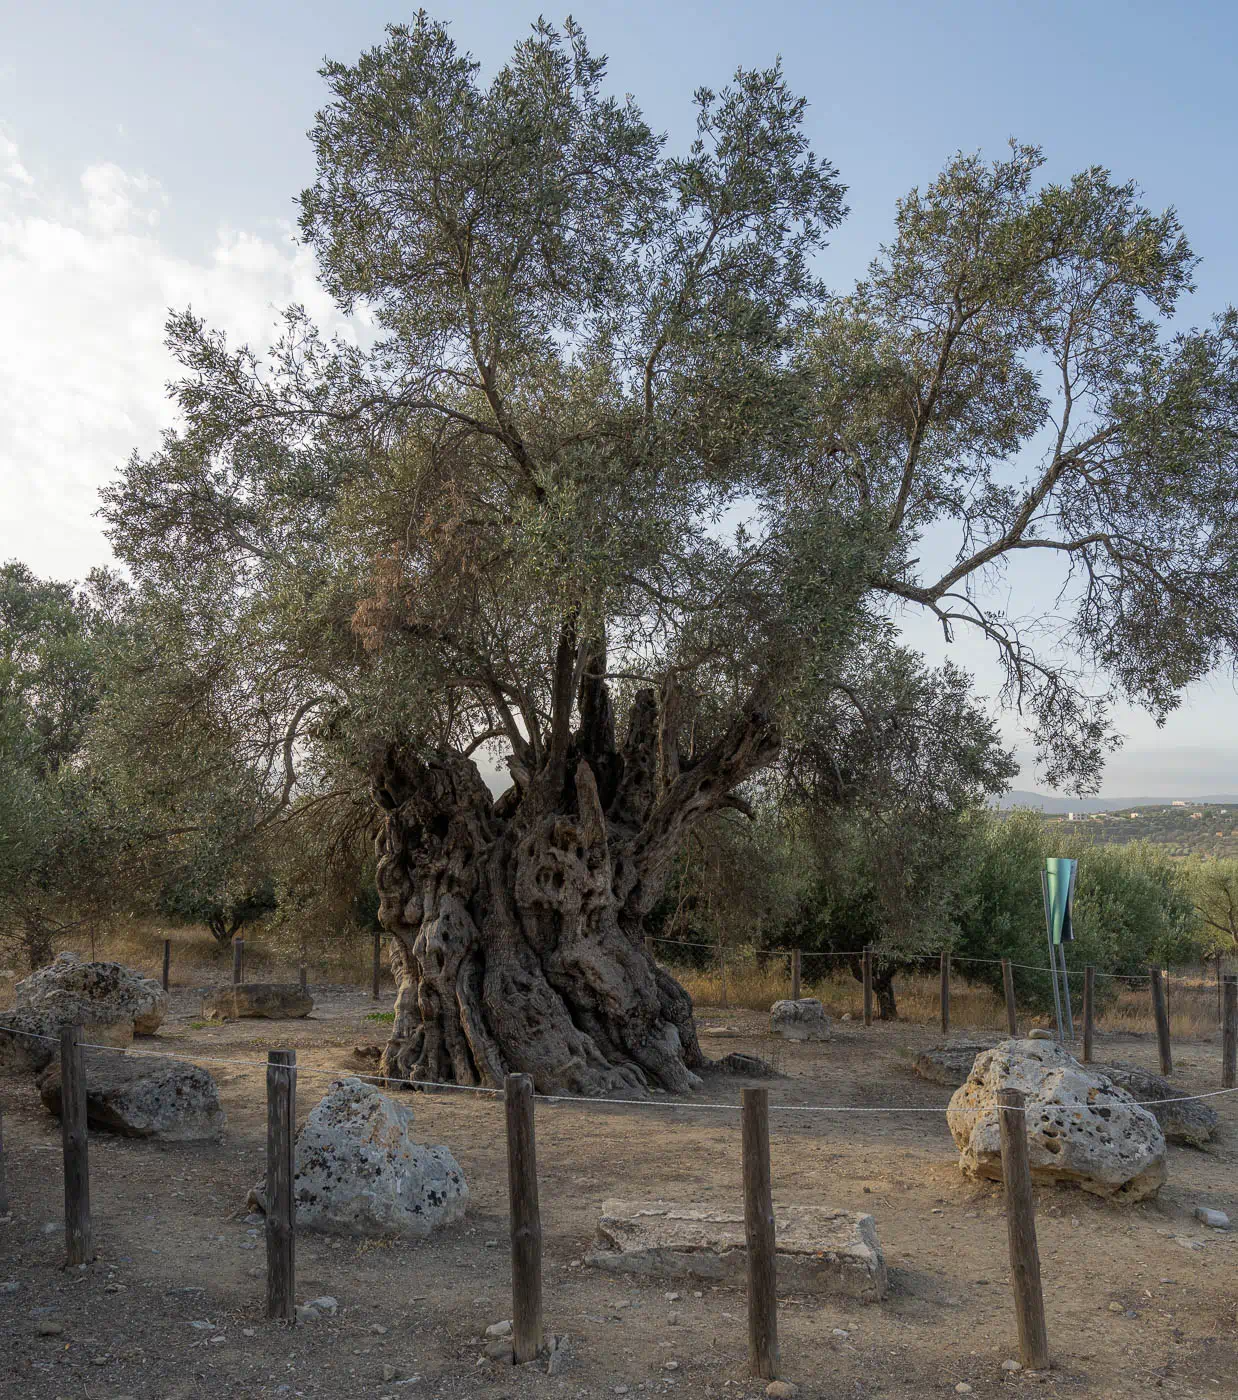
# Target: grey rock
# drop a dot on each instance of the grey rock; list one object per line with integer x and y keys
{"x": 1217, "y": 1219}
{"x": 270, "y": 1001}
{"x": 47, "y": 1328}
{"x": 499, "y": 1329}
{"x": 1188, "y": 1122}
{"x": 1082, "y": 1129}
{"x": 499, "y": 1349}
{"x": 951, "y": 1063}
{"x": 804, "y": 1019}
{"x": 359, "y": 1170}
{"x": 164, "y": 1099}
{"x": 30, "y": 1037}
{"x": 828, "y": 1253}
{"x": 782, "y": 1390}
{"x": 94, "y": 993}
{"x": 1039, "y": 1033}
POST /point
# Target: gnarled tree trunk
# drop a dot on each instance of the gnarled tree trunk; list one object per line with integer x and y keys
{"x": 517, "y": 923}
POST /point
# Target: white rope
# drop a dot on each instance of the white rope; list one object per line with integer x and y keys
{"x": 549, "y": 1098}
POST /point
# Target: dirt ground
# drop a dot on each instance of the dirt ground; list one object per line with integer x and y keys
{"x": 175, "y": 1251}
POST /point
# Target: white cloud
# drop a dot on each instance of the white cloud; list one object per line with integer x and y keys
{"x": 86, "y": 283}
{"x": 11, "y": 168}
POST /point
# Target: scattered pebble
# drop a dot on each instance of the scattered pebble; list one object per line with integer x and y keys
{"x": 782, "y": 1390}
{"x": 47, "y": 1328}
{"x": 390, "y": 1373}
{"x": 499, "y": 1349}
{"x": 499, "y": 1329}
{"x": 378, "y": 1329}
{"x": 962, "y": 1388}
{"x": 1012, "y": 1366}
{"x": 1116, "y": 1308}
{"x": 670, "y": 1365}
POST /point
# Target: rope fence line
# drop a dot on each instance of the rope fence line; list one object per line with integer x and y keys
{"x": 917, "y": 958}
{"x": 548, "y": 1098}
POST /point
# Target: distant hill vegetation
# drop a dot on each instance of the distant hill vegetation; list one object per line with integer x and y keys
{"x": 1051, "y": 804}
{"x": 1196, "y": 829}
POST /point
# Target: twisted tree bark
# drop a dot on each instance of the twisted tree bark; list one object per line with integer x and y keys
{"x": 518, "y": 923}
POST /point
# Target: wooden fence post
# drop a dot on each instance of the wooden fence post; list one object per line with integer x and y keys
{"x": 167, "y": 962}
{"x": 78, "y": 1231}
{"x": 377, "y": 970}
{"x": 1229, "y": 1036}
{"x": 1161, "y": 1012}
{"x": 1021, "y": 1230}
{"x": 1012, "y": 1012}
{"x": 526, "y": 1218}
{"x": 945, "y": 992}
{"x": 868, "y": 986}
{"x": 1089, "y": 1011}
{"x": 795, "y": 974}
{"x": 759, "y": 1230}
{"x": 281, "y": 1204}
{"x": 4, "y": 1179}
{"x": 238, "y": 961}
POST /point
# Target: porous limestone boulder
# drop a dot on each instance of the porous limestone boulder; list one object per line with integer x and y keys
{"x": 1082, "y": 1128}
{"x": 98, "y": 993}
{"x": 30, "y": 1040}
{"x": 1186, "y": 1121}
{"x": 142, "y": 1097}
{"x": 359, "y": 1171}
{"x": 828, "y": 1253}
{"x": 270, "y": 1001}
{"x": 951, "y": 1063}
{"x": 803, "y": 1019}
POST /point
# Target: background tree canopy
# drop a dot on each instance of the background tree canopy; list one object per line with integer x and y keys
{"x": 620, "y": 492}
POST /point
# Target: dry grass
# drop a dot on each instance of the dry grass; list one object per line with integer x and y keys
{"x": 1193, "y": 1008}
{"x": 197, "y": 959}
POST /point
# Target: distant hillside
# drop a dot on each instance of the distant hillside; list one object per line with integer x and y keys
{"x": 1198, "y": 829}
{"x": 1052, "y": 804}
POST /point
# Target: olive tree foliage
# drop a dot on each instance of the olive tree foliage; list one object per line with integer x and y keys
{"x": 60, "y": 836}
{"x": 605, "y": 485}
{"x": 876, "y": 792}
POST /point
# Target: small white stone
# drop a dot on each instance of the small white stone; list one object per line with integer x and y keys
{"x": 499, "y": 1329}
{"x": 1011, "y": 1366}
{"x": 782, "y": 1390}
{"x": 962, "y": 1388}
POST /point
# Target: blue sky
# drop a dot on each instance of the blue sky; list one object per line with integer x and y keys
{"x": 149, "y": 155}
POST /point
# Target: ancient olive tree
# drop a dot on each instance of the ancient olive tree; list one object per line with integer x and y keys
{"x": 598, "y": 485}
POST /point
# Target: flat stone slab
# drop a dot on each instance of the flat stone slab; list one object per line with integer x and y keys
{"x": 270, "y": 1001}
{"x": 824, "y": 1252}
